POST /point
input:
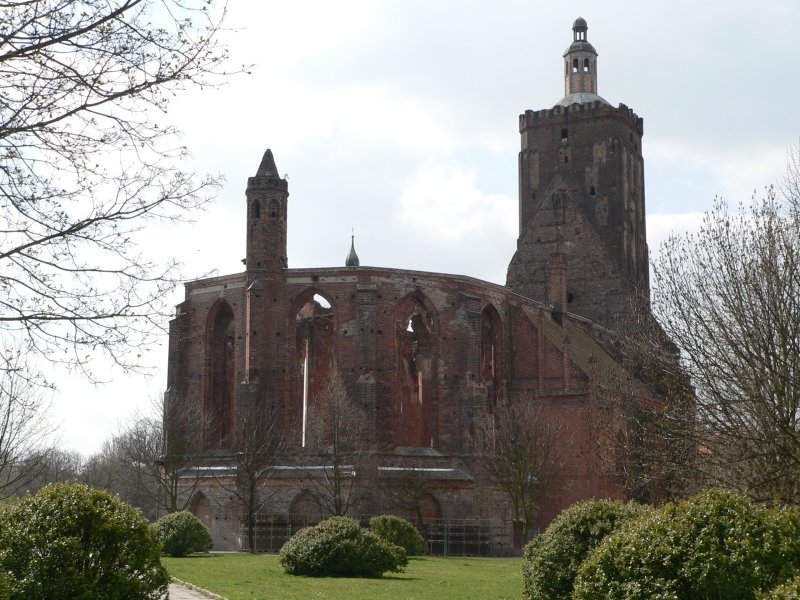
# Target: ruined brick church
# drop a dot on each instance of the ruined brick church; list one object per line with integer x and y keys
{"x": 428, "y": 355}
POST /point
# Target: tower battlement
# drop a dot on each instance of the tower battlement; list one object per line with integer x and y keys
{"x": 560, "y": 115}
{"x": 267, "y": 183}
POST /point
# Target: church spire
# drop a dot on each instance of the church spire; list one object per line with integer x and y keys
{"x": 352, "y": 257}
{"x": 267, "y": 167}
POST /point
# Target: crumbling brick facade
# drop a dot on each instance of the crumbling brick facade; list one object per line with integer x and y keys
{"x": 427, "y": 356}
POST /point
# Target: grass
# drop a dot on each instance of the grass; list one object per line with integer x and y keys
{"x": 260, "y": 577}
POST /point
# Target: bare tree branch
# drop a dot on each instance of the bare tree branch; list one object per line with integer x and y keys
{"x": 87, "y": 161}
{"x": 339, "y": 444}
{"x": 518, "y": 445}
{"x": 23, "y": 426}
{"x": 729, "y": 297}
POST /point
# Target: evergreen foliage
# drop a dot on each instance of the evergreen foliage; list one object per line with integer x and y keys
{"x": 339, "y": 547}
{"x": 181, "y": 533}
{"x": 73, "y": 542}
{"x": 717, "y": 545}
{"x": 550, "y": 562}
{"x": 400, "y": 532}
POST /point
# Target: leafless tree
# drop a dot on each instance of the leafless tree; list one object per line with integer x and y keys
{"x": 87, "y": 160}
{"x": 23, "y": 426}
{"x": 110, "y": 469}
{"x": 518, "y": 445}
{"x": 407, "y": 491}
{"x": 729, "y": 296}
{"x": 339, "y": 442}
{"x": 161, "y": 450}
{"x": 642, "y": 415}
{"x": 258, "y": 443}
{"x": 54, "y": 465}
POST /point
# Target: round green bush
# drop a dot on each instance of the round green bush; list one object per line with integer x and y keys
{"x": 551, "y": 560}
{"x": 73, "y": 542}
{"x": 400, "y": 532}
{"x": 181, "y": 533}
{"x": 340, "y": 547}
{"x": 788, "y": 591}
{"x": 715, "y": 545}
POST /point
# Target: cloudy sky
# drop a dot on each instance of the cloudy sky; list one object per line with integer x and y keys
{"x": 399, "y": 118}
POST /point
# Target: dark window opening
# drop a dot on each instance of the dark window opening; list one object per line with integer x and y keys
{"x": 585, "y": 65}
{"x": 575, "y": 65}
{"x": 564, "y": 135}
{"x": 570, "y": 297}
{"x": 591, "y": 191}
{"x": 566, "y": 159}
{"x": 256, "y": 209}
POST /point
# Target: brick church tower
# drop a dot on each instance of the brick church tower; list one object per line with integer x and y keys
{"x": 582, "y": 244}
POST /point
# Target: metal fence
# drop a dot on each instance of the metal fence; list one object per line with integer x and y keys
{"x": 443, "y": 537}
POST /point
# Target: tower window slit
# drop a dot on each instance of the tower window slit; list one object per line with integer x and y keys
{"x": 585, "y": 65}
{"x": 574, "y": 65}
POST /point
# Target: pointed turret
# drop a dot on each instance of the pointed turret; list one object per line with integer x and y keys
{"x": 352, "y": 257}
{"x": 267, "y": 195}
{"x": 267, "y": 167}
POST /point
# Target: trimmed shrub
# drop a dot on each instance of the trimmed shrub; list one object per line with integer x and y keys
{"x": 788, "y": 591}
{"x": 400, "y": 532}
{"x": 715, "y": 545}
{"x": 73, "y": 542}
{"x": 340, "y": 547}
{"x": 181, "y": 533}
{"x": 5, "y": 587}
{"x": 551, "y": 560}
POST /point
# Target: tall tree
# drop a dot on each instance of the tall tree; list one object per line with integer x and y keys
{"x": 257, "y": 444}
{"x": 339, "y": 443}
{"x": 641, "y": 419}
{"x": 519, "y": 447}
{"x": 161, "y": 449}
{"x": 729, "y": 296}
{"x": 86, "y": 160}
{"x": 23, "y": 426}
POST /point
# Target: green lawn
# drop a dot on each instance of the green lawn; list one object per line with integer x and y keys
{"x": 260, "y": 577}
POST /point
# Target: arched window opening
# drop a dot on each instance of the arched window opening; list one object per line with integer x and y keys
{"x": 273, "y": 209}
{"x": 220, "y": 380}
{"x": 574, "y": 65}
{"x": 490, "y": 354}
{"x": 585, "y": 65}
{"x": 315, "y": 355}
{"x": 256, "y": 211}
{"x": 412, "y": 426}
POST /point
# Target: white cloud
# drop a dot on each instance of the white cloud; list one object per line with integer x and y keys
{"x": 443, "y": 200}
